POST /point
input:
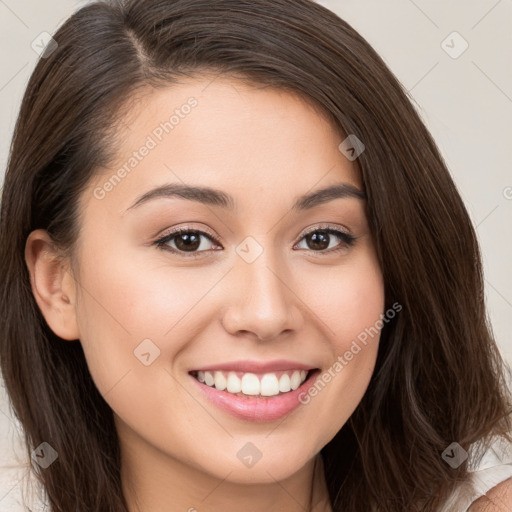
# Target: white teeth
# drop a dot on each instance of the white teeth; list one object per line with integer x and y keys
{"x": 269, "y": 385}
{"x": 220, "y": 381}
{"x": 234, "y": 383}
{"x": 208, "y": 379}
{"x": 295, "y": 380}
{"x": 284, "y": 383}
{"x": 251, "y": 384}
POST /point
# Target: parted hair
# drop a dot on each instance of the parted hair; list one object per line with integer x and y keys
{"x": 439, "y": 377}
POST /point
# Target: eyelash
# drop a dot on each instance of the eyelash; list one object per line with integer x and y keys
{"x": 347, "y": 240}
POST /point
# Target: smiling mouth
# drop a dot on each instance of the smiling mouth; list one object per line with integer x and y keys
{"x": 254, "y": 385}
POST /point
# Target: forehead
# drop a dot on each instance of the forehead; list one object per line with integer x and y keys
{"x": 221, "y": 132}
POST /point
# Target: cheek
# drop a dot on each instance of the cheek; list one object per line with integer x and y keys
{"x": 131, "y": 302}
{"x": 350, "y": 303}
{"x": 137, "y": 295}
{"x": 347, "y": 298}
{"x": 356, "y": 326}
{"x": 128, "y": 297}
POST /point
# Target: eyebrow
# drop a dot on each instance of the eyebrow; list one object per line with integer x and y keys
{"x": 214, "y": 197}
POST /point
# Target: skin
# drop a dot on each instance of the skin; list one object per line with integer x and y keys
{"x": 265, "y": 148}
{"x": 498, "y": 499}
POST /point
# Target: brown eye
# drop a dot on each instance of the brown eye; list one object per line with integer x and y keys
{"x": 324, "y": 240}
{"x": 318, "y": 241}
{"x": 187, "y": 241}
{"x": 190, "y": 241}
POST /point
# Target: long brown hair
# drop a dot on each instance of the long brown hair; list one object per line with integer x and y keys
{"x": 439, "y": 377}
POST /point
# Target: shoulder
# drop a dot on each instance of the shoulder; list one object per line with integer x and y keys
{"x": 498, "y": 499}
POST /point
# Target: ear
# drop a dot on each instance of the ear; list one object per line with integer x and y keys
{"x": 52, "y": 284}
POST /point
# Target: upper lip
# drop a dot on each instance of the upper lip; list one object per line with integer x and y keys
{"x": 257, "y": 366}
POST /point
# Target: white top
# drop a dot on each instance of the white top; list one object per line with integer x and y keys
{"x": 494, "y": 467}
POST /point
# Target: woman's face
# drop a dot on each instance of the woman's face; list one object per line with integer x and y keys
{"x": 254, "y": 280}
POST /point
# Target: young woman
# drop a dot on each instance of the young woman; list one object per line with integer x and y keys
{"x": 237, "y": 274}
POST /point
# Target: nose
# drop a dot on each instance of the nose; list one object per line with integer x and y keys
{"x": 262, "y": 301}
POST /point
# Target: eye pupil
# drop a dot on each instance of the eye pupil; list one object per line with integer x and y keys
{"x": 319, "y": 240}
{"x": 188, "y": 242}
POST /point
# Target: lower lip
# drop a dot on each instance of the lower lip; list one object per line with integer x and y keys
{"x": 258, "y": 409}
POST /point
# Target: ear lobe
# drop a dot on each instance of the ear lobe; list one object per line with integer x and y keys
{"x": 52, "y": 285}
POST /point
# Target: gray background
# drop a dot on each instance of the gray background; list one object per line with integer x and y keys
{"x": 466, "y": 102}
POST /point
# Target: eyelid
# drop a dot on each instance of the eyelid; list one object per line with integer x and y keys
{"x": 307, "y": 231}
{"x": 188, "y": 227}
{"x": 347, "y": 239}
{"x": 163, "y": 239}
{"x": 320, "y": 227}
